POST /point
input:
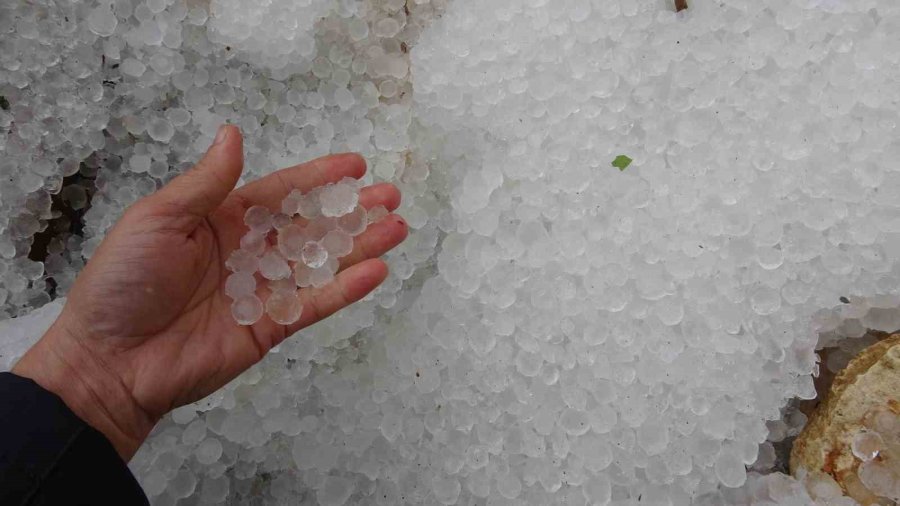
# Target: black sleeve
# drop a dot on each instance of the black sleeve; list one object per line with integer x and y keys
{"x": 49, "y": 456}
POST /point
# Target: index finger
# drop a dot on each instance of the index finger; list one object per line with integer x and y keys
{"x": 272, "y": 189}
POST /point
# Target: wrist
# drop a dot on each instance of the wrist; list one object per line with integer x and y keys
{"x": 67, "y": 367}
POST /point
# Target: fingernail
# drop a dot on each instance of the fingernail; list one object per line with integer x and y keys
{"x": 220, "y": 135}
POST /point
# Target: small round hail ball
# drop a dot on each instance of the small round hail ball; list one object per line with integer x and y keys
{"x": 376, "y": 214}
{"x": 284, "y": 308}
{"x": 254, "y": 242}
{"x": 247, "y": 310}
{"x": 286, "y": 285}
{"x": 886, "y": 422}
{"x": 259, "y": 219}
{"x": 308, "y": 205}
{"x": 102, "y": 21}
{"x": 291, "y": 240}
{"x": 240, "y": 284}
{"x": 314, "y": 254}
{"x": 866, "y": 445}
{"x": 291, "y": 204}
{"x": 338, "y": 199}
{"x": 355, "y": 222}
{"x": 279, "y": 221}
{"x": 338, "y": 243}
{"x": 324, "y": 274}
{"x": 316, "y": 229}
{"x": 879, "y": 478}
{"x": 273, "y": 266}
{"x": 302, "y": 275}
{"x": 242, "y": 261}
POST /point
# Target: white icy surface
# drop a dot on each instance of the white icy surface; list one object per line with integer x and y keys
{"x": 555, "y": 330}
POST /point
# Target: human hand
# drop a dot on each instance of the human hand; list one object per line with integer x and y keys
{"x": 147, "y": 326}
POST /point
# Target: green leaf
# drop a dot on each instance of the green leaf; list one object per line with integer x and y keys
{"x": 621, "y": 162}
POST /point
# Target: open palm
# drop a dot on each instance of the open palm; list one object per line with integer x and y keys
{"x": 148, "y": 316}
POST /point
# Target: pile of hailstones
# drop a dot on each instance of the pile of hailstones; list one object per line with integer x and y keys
{"x": 312, "y": 233}
{"x": 877, "y": 446}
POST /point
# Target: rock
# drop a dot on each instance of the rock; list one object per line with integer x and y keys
{"x": 868, "y": 386}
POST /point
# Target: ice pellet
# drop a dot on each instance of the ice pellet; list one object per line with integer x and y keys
{"x": 240, "y": 284}
{"x": 273, "y": 266}
{"x": 338, "y": 243}
{"x": 376, "y": 214}
{"x": 313, "y": 254}
{"x": 866, "y": 445}
{"x": 354, "y": 222}
{"x": 241, "y": 260}
{"x": 284, "y": 308}
{"x": 102, "y": 21}
{"x": 338, "y": 199}
{"x": 247, "y": 310}
{"x": 258, "y": 218}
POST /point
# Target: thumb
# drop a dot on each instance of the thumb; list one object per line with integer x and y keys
{"x": 202, "y": 189}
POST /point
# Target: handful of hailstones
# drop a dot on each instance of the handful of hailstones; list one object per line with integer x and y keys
{"x": 297, "y": 248}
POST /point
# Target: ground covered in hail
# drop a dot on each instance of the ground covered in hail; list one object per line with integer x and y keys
{"x": 631, "y": 229}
